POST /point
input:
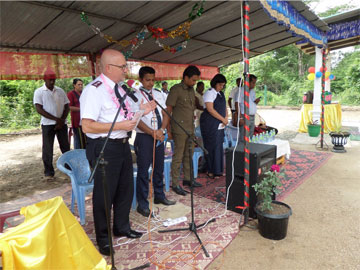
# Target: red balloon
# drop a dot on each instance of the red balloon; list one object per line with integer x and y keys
{"x": 323, "y": 69}
{"x": 311, "y": 69}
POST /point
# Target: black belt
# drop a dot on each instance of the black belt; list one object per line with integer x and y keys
{"x": 121, "y": 140}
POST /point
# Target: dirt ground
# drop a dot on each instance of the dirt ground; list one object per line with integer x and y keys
{"x": 324, "y": 230}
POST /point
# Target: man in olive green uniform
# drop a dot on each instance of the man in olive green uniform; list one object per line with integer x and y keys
{"x": 181, "y": 104}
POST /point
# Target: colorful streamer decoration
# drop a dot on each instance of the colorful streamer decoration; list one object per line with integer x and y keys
{"x": 157, "y": 33}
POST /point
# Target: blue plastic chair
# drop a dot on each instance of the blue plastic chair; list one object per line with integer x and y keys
{"x": 79, "y": 175}
{"x": 231, "y": 133}
{"x": 198, "y": 152}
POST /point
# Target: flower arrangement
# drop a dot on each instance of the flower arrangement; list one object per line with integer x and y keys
{"x": 269, "y": 186}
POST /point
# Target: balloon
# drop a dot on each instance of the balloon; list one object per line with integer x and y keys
{"x": 311, "y": 76}
{"x": 327, "y": 74}
{"x": 311, "y": 70}
{"x": 323, "y": 69}
{"x": 331, "y": 77}
{"x": 318, "y": 74}
{"x": 327, "y": 79}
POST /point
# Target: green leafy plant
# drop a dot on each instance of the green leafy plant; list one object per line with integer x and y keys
{"x": 311, "y": 122}
{"x": 269, "y": 186}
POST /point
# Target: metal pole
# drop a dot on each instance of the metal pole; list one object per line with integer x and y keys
{"x": 322, "y": 119}
{"x": 246, "y": 18}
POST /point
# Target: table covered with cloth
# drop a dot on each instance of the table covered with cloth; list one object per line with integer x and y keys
{"x": 332, "y": 117}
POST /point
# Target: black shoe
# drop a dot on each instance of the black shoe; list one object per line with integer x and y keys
{"x": 178, "y": 190}
{"x": 195, "y": 184}
{"x": 144, "y": 212}
{"x": 130, "y": 234}
{"x": 164, "y": 201}
{"x": 104, "y": 249}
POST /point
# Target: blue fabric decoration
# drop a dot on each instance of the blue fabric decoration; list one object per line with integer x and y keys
{"x": 284, "y": 14}
{"x": 344, "y": 30}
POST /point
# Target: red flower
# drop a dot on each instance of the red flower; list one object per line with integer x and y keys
{"x": 275, "y": 168}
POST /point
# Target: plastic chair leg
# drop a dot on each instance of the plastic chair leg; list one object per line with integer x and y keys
{"x": 72, "y": 201}
{"x": 81, "y": 206}
{"x": 196, "y": 157}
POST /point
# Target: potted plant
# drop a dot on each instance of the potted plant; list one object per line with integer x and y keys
{"x": 339, "y": 139}
{"x": 273, "y": 216}
{"x": 313, "y": 128}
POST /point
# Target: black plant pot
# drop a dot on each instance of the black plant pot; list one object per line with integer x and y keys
{"x": 273, "y": 226}
{"x": 339, "y": 140}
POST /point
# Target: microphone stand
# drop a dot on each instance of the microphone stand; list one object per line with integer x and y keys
{"x": 101, "y": 161}
{"x": 192, "y": 226}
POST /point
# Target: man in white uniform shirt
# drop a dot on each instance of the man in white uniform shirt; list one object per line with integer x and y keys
{"x": 99, "y": 104}
{"x": 52, "y": 104}
{"x": 231, "y": 99}
{"x": 150, "y": 126}
{"x": 253, "y": 101}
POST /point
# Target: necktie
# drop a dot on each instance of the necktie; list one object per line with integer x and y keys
{"x": 158, "y": 117}
{"x": 120, "y": 98}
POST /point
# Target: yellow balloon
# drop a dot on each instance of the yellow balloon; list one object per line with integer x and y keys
{"x": 327, "y": 74}
{"x": 311, "y": 76}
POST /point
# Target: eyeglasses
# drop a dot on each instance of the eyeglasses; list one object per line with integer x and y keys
{"x": 123, "y": 67}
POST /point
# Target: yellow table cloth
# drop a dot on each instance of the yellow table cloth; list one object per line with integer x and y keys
{"x": 332, "y": 115}
{"x": 49, "y": 238}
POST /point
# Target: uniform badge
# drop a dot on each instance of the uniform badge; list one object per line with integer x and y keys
{"x": 96, "y": 84}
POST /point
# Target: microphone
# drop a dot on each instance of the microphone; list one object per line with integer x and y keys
{"x": 135, "y": 85}
{"x": 129, "y": 92}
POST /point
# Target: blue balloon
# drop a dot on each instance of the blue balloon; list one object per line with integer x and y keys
{"x": 331, "y": 77}
{"x": 318, "y": 74}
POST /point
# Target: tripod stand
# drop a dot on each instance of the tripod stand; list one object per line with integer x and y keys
{"x": 192, "y": 226}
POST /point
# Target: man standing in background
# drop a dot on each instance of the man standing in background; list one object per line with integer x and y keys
{"x": 253, "y": 101}
{"x": 181, "y": 104}
{"x": 52, "y": 104}
{"x": 231, "y": 101}
{"x": 74, "y": 98}
{"x": 164, "y": 88}
{"x": 199, "y": 102}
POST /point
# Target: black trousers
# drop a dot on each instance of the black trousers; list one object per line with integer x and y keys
{"x": 48, "y": 137}
{"x": 79, "y": 138}
{"x": 119, "y": 179}
{"x": 144, "y": 156}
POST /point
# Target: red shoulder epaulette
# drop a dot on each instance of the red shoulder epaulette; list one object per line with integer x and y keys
{"x": 96, "y": 84}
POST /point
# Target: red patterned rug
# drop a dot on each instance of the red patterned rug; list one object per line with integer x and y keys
{"x": 181, "y": 250}
{"x": 301, "y": 165}
{"x": 175, "y": 250}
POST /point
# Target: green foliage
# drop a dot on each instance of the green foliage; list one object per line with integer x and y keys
{"x": 336, "y": 10}
{"x": 269, "y": 186}
{"x": 17, "y": 110}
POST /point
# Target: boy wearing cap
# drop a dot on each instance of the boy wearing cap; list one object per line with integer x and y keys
{"x": 52, "y": 104}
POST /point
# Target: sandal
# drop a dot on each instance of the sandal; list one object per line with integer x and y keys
{"x": 210, "y": 175}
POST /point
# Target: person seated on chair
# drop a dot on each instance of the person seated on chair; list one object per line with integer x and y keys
{"x": 149, "y": 128}
{"x": 260, "y": 125}
{"x": 212, "y": 123}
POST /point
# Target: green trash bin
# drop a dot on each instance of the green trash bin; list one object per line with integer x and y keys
{"x": 314, "y": 130}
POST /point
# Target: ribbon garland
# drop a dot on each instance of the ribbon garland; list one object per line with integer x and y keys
{"x": 156, "y": 32}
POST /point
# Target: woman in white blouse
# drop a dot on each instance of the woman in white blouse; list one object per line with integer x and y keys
{"x": 212, "y": 123}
